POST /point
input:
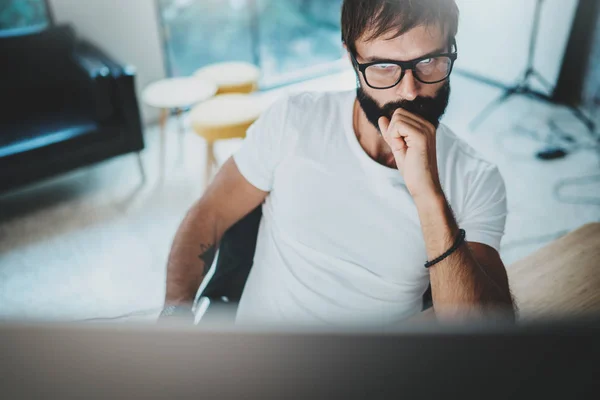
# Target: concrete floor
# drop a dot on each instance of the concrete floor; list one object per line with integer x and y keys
{"x": 94, "y": 242}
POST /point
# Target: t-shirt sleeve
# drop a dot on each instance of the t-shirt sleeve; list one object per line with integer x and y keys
{"x": 263, "y": 147}
{"x": 485, "y": 210}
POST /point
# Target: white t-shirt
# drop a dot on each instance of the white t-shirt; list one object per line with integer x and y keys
{"x": 340, "y": 239}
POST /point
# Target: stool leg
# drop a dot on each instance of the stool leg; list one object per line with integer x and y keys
{"x": 141, "y": 167}
{"x": 210, "y": 160}
{"x": 181, "y": 133}
{"x": 164, "y": 113}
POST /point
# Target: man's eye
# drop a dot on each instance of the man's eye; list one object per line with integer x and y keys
{"x": 426, "y": 61}
{"x": 385, "y": 66}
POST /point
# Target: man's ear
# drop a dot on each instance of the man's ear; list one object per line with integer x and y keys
{"x": 347, "y": 53}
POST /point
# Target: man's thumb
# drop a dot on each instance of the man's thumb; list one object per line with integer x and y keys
{"x": 384, "y": 123}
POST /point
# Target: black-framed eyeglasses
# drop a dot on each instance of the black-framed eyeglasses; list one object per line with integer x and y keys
{"x": 385, "y": 74}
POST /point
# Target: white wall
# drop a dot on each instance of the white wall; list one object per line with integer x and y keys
{"x": 493, "y": 37}
{"x": 125, "y": 29}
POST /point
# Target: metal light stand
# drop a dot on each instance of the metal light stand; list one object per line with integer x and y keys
{"x": 522, "y": 87}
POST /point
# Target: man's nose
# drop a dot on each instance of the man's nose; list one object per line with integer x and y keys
{"x": 407, "y": 88}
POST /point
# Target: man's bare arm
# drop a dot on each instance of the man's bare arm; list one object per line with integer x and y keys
{"x": 227, "y": 199}
{"x": 465, "y": 283}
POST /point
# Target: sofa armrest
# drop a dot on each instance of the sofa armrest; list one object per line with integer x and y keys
{"x": 94, "y": 78}
{"x": 115, "y": 68}
{"x": 121, "y": 83}
{"x": 91, "y": 66}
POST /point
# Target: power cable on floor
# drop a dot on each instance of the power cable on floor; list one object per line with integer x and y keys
{"x": 128, "y": 315}
{"x": 561, "y": 140}
{"x": 579, "y": 180}
{"x": 558, "y": 143}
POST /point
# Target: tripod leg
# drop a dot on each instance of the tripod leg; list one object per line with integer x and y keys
{"x": 488, "y": 110}
{"x": 543, "y": 81}
{"x": 583, "y": 118}
{"x": 181, "y": 134}
{"x": 164, "y": 115}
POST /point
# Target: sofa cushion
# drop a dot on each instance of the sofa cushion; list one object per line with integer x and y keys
{"x": 19, "y": 103}
{"x": 43, "y": 129}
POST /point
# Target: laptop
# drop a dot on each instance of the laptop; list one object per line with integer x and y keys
{"x": 422, "y": 360}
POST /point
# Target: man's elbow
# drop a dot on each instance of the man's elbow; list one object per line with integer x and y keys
{"x": 490, "y": 306}
{"x": 498, "y": 305}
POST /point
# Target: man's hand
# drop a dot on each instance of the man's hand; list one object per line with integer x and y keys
{"x": 180, "y": 314}
{"x": 413, "y": 143}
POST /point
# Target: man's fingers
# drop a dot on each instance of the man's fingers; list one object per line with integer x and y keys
{"x": 390, "y": 132}
{"x": 399, "y": 149}
{"x": 404, "y": 128}
{"x": 394, "y": 127}
{"x": 401, "y": 131}
{"x": 397, "y": 144}
{"x": 414, "y": 117}
{"x": 408, "y": 118}
{"x": 394, "y": 140}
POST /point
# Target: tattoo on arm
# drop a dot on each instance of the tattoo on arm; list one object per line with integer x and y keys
{"x": 207, "y": 256}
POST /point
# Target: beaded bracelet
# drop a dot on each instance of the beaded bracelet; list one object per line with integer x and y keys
{"x": 457, "y": 243}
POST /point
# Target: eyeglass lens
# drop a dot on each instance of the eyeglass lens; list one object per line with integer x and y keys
{"x": 431, "y": 70}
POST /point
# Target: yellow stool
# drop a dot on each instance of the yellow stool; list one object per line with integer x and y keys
{"x": 225, "y": 116}
{"x": 231, "y": 77}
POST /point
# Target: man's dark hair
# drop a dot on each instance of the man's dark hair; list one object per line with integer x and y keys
{"x": 376, "y": 18}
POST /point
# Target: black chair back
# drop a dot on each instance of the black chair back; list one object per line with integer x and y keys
{"x": 235, "y": 259}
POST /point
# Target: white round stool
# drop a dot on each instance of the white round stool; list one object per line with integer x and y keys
{"x": 176, "y": 94}
{"x": 231, "y": 77}
{"x": 224, "y": 116}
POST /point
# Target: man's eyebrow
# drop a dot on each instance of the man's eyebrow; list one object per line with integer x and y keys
{"x": 376, "y": 59}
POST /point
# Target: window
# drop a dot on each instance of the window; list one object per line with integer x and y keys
{"x": 18, "y": 15}
{"x": 288, "y": 40}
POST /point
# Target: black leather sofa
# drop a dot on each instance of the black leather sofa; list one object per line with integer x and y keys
{"x": 64, "y": 104}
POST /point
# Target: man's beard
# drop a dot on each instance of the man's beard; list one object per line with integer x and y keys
{"x": 430, "y": 108}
